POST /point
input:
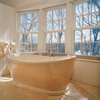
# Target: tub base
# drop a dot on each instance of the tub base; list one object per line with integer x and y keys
{"x": 34, "y": 89}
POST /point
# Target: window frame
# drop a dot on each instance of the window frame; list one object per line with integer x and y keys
{"x": 19, "y": 30}
{"x": 84, "y": 28}
{"x": 54, "y": 31}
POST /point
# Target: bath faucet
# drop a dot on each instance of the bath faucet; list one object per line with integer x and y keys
{"x": 50, "y": 49}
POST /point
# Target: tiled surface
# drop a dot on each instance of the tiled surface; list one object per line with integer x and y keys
{"x": 77, "y": 91}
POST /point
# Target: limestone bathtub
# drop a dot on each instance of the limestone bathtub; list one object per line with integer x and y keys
{"x": 48, "y": 75}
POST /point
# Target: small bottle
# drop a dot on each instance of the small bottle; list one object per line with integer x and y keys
{"x": 53, "y": 52}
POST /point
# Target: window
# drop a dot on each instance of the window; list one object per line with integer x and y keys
{"x": 28, "y": 32}
{"x": 87, "y": 28}
{"x": 55, "y": 29}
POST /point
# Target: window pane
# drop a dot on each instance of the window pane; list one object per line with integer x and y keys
{"x": 35, "y": 27}
{"x": 29, "y": 18}
{"x": 78, "y": 22}
{"x": 61, "y": 37}
{"x": 28, "y": 38}
{"x": 29, "y": 27}
{"x": 86, "y": 7}
{"x": 95, "y": 5}
{"x": 22, "y": 47}
{"x": 86, "y": 49}
{"x": 77, "y": 36}
{"x": 34, "y": 38}
{"x": 95, "y": 34}
{"x": 61, "y": 48}
{"x": 78, "y": 9}
{"x": 86, "y": 35}
{"x": 62, "y": 24}
{"x": 96, "y": 18}
{"x": 23, "y": 27}
{"x": 35, "y": 17}
{"x": 23, "y": 18}
{"x": 34, "y": 47}
{"x": 55, "y": 14}
{"x": 95, "y": 49}
{"x": 55, "y": 47}
{"x": 54, "y": 37}
{"x": 48, "y": 46}
{"x": 62, "y": 13}
{"x": 49, "y": 15}
{"x": 22, "y": 38}
{"x": 77, "y": 48}
{"x": 86, "y": 20}
{"x": 48, "y": 37}
{"x": 27, "y": 47}
{"x": 55, "y": 25}
{"x": 25, "y": 38}
{"x": 49, "y": 26}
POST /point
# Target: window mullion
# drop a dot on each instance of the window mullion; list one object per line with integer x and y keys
{"x": 90, "y": 41}
{"x": 82, "y": 14}
{"x": 81, "y": 41}
{"x": 52, "y": 19}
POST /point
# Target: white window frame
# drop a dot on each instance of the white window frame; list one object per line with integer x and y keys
{"x": 19, "y": 30}
{"x": 83, "y": 28}
{"x": 54, "y": 31}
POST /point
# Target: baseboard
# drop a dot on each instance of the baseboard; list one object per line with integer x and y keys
{"x": 90, "y": 82}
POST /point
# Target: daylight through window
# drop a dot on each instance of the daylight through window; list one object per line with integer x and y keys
{"x": 29, "y": 32}
{"x": 87, "y": 28}
{"x": 55, "y": 29}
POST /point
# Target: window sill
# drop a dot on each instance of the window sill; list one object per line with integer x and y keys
{"x": 88, "y": 58}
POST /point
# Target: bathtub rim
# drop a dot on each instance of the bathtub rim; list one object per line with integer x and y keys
{"x": 34, "y": 62}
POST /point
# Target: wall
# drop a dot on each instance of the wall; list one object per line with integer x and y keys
{"x": 6, "y": 23}
{"x": 87, "y": 71}
{"x": 7, "y": 32}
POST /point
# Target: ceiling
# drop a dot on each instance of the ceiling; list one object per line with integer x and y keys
{"x": 19, "y": 3}
{"x": 26, "y": 4}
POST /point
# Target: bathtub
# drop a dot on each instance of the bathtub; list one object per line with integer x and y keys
{"x": 42, "y": 74}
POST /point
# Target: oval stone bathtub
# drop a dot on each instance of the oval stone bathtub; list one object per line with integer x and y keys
{"x": 48, "y": 75}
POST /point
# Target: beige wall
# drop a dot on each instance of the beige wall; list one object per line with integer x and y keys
{"x": 6, "y": 23}
{"x": 87, "y": 71}
{"x": 7, "y": 32}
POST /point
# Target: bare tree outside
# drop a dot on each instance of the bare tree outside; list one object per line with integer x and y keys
{"x": 91, "y": 36}
{"x": 56, "y": 20}
{"x": 29, "y": 24}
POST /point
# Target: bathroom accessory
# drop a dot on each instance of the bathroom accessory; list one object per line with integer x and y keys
{"x": 50, "y": 50}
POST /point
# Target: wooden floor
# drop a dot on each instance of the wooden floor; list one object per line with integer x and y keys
{"x": 77, "y": 91}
